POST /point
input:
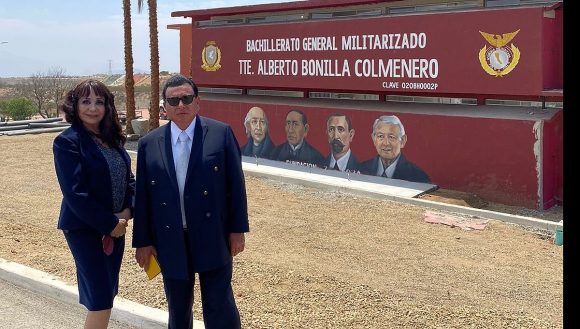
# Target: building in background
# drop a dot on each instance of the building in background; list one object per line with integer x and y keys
{"x": 478, "y": 84}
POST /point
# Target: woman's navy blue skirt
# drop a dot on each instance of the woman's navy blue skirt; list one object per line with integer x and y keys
{"x": 97, "y": 273}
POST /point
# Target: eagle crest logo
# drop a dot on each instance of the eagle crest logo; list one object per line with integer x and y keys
{"x": 497, "y": 58}
{"x": 211, "y": 56}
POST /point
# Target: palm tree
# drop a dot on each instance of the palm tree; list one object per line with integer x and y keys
{"x": 129, "y": 82}
{"x": 154, "y": 47}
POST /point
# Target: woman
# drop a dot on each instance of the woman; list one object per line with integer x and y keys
{"x": 95, "y": 178}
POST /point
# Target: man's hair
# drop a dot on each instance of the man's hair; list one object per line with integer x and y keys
{"x": 304, "y": 119}
{"x": 346, "y": 117}
{"x": 178, "y": 80}
{"x": 248, "y": 118}
{"x": 391, "y": 119}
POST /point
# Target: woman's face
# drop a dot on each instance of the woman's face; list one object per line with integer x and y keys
{"x": 91, "y": 111}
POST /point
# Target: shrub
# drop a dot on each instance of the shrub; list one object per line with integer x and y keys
{"x": 3, "y": 110}
{"x": 18, "y": 108}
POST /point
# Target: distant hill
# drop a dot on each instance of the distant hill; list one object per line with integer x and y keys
{"x": 135, "y": 71}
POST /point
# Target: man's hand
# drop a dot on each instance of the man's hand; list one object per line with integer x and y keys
{"x": 237, "y": 243}
{"x": 142, "y": 255}
{"x": 120, "y": 229}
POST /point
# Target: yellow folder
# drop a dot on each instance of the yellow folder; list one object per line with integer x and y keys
{"x": 153, "y": 268}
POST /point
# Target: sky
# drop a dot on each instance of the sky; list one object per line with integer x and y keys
{"x": 85, "y": 37}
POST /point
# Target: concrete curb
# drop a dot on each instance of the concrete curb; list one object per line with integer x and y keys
{"x": 376, "y": 188}
{"x": 124, "y": 310}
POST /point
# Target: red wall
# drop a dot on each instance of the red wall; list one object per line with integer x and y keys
{"x": 552, "y": 50}
{"x": 495, "y": 156}
{"x": 454, "y": 46}
{"x": 553, "y": 161}
{"x": 185, "y": 46}
{"x": 491, "y": 157}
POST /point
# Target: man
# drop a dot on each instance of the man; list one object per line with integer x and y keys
{"x": 296, "y": 149}
{"x": 190, "y": 208}
{"x": 340, "y": 134}
{"x": 259, "y": 143}
{"x": 389, "y": 138}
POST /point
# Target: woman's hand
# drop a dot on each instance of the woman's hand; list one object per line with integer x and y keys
{"x": 120, "y": 229}
{"x": 125, "y": 214}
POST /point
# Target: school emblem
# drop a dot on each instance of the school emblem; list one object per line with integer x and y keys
{"x": 497, "y": 58}
{"x": 211, "y": 56}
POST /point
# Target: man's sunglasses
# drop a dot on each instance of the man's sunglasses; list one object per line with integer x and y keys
{"x": 174, "y": 101}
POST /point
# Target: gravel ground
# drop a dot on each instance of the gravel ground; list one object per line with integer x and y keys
{"x": 321, "y": 259}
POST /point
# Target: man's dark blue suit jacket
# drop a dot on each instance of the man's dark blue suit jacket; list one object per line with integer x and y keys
{"x": 214, "y": 199}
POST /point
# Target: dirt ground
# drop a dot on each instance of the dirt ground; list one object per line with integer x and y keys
{"x": 322, "y": 259}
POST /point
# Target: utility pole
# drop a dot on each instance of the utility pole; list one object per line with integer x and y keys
{"x": 110, "y": 64}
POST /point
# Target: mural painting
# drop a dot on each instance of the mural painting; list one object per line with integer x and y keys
{"x": 388, "y": 138}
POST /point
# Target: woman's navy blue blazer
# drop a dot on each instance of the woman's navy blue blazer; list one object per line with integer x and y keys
{"x": 85, "y": 182}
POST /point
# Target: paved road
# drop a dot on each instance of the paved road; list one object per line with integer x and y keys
{"x": 22, "y": 308}
{"x": 30, "y": 298}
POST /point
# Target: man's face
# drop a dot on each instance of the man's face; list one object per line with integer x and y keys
{"x": 295, "y": 129}
{"x": 182, "y": 114}
{"x": 387, "y": 141}
{"x": 258, "y": 127}
{"x": 339, "y": 135}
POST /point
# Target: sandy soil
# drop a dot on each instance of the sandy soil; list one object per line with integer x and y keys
{"x": 321, "y": 259}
